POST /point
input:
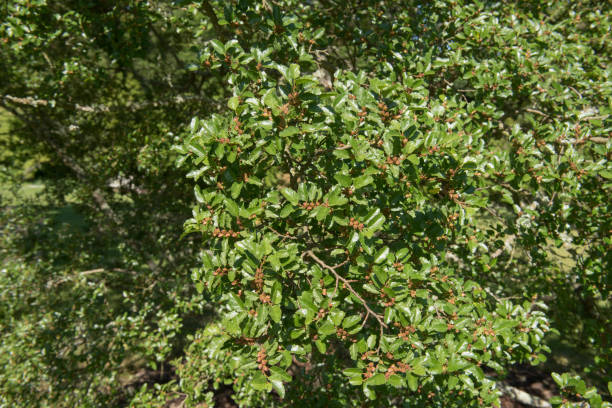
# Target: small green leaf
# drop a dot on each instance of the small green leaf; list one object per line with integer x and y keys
{"x": 558, "y": 379}
{"x": 352, "y": 372}
{"x": 413, "y": 383}
{"x": 233, "y": 102}
{"x": 376, "y": 379}
{"x": 278, "y": 387}
{"x": 381, "y": 255}
{"x": 218, "y": 46}
{"x": 290, "y": 131}
{"x": 362, "y": 181}
{"x": 327, "y": 328}
{"x": 293, "y": 72}
{"x": 232, "y": 207}
{"x": 290, "y": 195}
{"x": 259, "y": 382}
{"x": 275, "y": 313}
{"x": 351, "y": 321}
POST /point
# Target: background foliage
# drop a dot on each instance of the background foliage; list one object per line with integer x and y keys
{"x": 391, "y": 202}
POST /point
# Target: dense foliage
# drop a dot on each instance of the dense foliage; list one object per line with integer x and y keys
{"x": 395, "y": 201}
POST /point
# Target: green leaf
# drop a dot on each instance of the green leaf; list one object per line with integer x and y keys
{"x": 352, "y": 372}
{"x": 345, "y": 181}
{"x": 369, "y": 393}
{"x": 290, "y": 195}
{"x": 606, "y": 174}
{"x": 558, "y": 379}
{"x": 293, "y": 72}
{"x": 376, "y": 379}
{"x": 235, "y": 190}
{"x": 275, "y": 313}
{"x": 259, "y": 382}
{"x": 381, "y": 255}
{"x": 376, "y": 223}
{"x": 395, "y": 380}
{"x": 218, "y": 46}
{"x": 362, "y": 181}
{"x": 233, "y": 102}
{"x": 336, "y": 316}
{"x": 336, "y": 201}
{"x": 556, "y": 400}
{"x": 327, "y": 328}
{"x": 289, "y": 131}
{"x": 418, "y": 369}
{"x": 286, "y": 211}
{"x": 232, "y": 207}
{"x": 413, "y": 383}
{"x": 351, "y": 321}
{"x": 270, "y": 99}
{"x": 278, "y": 387}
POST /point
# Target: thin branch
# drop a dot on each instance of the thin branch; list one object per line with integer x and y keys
{"x": 210, "y": 12}
{"x": 347, "y": 284}
{"x": 178, "y": 99}
{"x": 85, "y": 273}
{"x": 537, "y": 112}
{"x": 279, "y": 234}
{"x": 600, "y": 140}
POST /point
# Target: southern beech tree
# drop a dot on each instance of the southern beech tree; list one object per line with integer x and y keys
{"x": 393, "y": 201}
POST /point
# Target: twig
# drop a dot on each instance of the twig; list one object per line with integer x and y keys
{"x": 85, "y": 273}
{"x": 286, "y": 236}
{"x": 347, "y": 284}
{"x": 577, "y": 93}
{"x": 210, "y": 12}
{"x": 537, "y": 112}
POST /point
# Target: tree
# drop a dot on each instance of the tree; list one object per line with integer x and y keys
{"x": 98, "y": 287}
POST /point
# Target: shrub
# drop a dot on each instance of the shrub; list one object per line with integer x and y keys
{"x": 351, "y": 219}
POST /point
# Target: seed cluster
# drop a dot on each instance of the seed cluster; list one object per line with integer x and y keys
{"x": 406, "y": 332}
{"x": 453, "y": 195}
{"x": 388, "y": 303}
{"x": 395, "y": 160}
{"x": 220, "y": 271}
{"x": 343, "y": 334}
{"x": 362, "y": 114}
{"x": 221, "y": 233}
{"x": 294, "y": 98}
{"x": 259, "y": 279}
{"x": 431, "y": 150}
{"x": 355, "y": 224}
{"x": 312, "y": 205}
{"x": 385, "y": 114}
{"x": 261, "y": 360}
{"x": 371, "y": 369}
{"x": 398, "y": 367}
